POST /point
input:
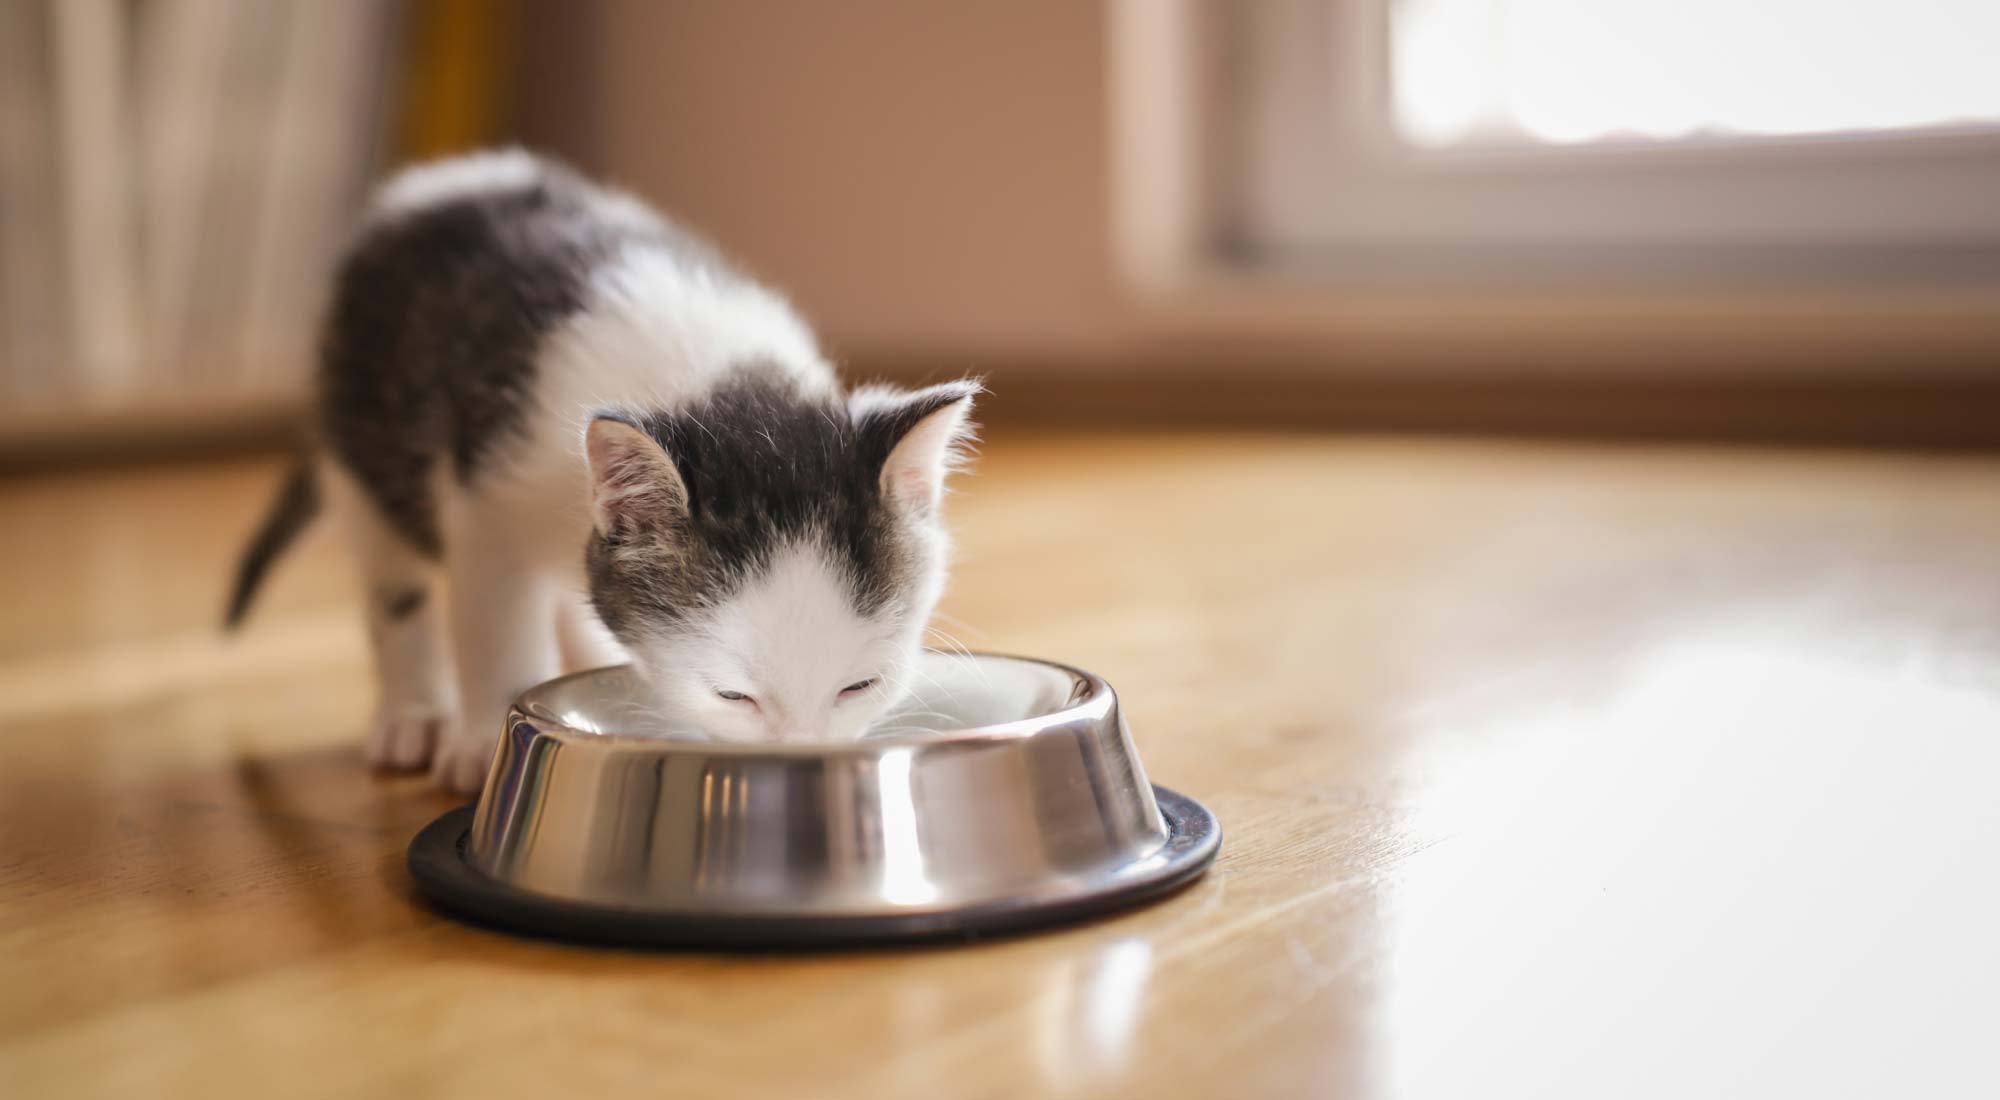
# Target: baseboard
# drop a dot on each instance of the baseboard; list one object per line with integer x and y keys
{"x": 1957, "y": 413}
{"x": 85, "y": 437}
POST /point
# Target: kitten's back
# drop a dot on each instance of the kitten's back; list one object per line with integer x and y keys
{"x": 459, "y": 273}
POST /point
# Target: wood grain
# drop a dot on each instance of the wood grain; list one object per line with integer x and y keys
{"x": 1546, "y": 771}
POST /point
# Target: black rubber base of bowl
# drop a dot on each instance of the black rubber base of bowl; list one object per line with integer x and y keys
{"x": 437, "y": 862}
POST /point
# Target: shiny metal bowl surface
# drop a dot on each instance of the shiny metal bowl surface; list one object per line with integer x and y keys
{"x": 1004, "y": 794}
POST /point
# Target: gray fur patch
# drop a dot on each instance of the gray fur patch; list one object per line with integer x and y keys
{"x": 430, "y": 349}
{"x": 402, "y": 603}
{"x": 765, "y": 466}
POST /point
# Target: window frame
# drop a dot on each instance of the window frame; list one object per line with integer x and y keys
{"x": 1232, "y": 123}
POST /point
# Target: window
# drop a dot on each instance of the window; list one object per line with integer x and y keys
{"x": 1563, "y": 72}
{"x": 1535, "y": 144}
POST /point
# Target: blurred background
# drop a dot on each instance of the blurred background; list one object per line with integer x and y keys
{"x": 1613, "y": 217}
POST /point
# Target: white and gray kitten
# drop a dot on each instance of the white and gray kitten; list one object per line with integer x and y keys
{"x": 589, "y": 424}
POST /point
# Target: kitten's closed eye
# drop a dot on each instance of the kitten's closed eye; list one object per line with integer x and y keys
{"x": 854, "y": 688}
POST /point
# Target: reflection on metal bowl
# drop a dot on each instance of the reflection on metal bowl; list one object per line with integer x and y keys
{"x": 1018, "y": 801}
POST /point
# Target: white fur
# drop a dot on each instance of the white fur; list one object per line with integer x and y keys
{"x": 655, "y": 334}
{"x": 791, "y": 641}
{"x": 439, "y": 181}
{"x": 658, "y": 332}
{"x": 581, "y": 637}
{"x": 417, "y": 696}
{"x": 424, "y": 185}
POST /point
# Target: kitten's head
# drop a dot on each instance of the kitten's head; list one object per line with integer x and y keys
{"x": 770, "y": 556}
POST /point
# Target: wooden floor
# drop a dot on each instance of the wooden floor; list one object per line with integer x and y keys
{"x": 1546, "y": 771}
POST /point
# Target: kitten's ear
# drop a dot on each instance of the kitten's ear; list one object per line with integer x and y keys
{"x": 634, "y": 486}
{"x": 925, "y": 433}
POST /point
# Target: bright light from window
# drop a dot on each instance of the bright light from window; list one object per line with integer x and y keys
{"x": 1567, "y": 71}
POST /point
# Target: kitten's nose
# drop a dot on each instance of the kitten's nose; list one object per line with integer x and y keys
{"x": 789, "y": 725}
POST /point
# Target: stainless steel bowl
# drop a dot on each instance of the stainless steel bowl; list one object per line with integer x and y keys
{"x": 1005, "y": 794}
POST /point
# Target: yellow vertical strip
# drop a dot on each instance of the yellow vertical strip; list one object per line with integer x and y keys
{"x": 453, "y": 99}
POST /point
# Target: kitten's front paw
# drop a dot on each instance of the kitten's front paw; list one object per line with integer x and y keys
{"x": 403, "y": 736}
{"x": 464, "y": 753}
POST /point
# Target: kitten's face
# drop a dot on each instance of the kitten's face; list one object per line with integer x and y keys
{"x": 772, "y": 579}
{"x": 789, "y": 656}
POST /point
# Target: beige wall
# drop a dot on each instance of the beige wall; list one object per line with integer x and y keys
{"x": 930, "y": 180}
{"x": 927, "y": 179}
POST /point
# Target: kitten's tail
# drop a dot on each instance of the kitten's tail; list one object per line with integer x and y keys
{"x": 293, "y": 510}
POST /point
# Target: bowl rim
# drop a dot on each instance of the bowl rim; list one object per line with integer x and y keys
{"x": 1097, "y": 704}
